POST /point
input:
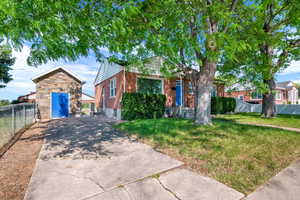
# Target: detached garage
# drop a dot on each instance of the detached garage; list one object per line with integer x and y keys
{"x": 58, "y": 93}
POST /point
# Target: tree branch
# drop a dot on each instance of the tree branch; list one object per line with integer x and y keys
{"x": 232, "y": 8}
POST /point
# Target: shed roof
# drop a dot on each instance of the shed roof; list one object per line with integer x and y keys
{"x": 36, "y": 78}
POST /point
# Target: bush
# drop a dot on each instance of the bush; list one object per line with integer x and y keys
{"x": 221, "y": 105}
{"x": 142, "y": 106}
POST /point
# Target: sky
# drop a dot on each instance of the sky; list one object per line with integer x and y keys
{"x": 86, "y": 68}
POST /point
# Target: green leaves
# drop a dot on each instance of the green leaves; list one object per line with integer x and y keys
{"x": 6, "y": 60}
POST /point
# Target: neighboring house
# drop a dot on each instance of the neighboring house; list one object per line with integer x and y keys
{"x": 58, "y": 93}
{"x": 28, "y": 98}
{"x": 113, "y": 80}
{"x": 286, "y": 93}
{"x": 87, "y": 99}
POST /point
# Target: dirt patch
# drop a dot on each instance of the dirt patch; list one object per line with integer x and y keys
{"x": 17, "y": 164}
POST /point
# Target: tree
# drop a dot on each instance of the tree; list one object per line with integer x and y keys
{"x": 6, "y": 60}
{"x": 189, "y": 34}
{"x": 273, "y": 32}
{"x": 4, "y": 102}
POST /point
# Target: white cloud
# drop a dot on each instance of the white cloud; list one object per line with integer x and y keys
{"x": 293, "y": 68}
{"x": 85, "y": 68}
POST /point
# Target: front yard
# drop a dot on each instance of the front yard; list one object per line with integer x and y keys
{"x": 241, "y": 156}
{"x": 290, "y": 121}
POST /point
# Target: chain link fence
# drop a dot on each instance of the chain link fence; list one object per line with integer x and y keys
{"x": 13, "y": 118}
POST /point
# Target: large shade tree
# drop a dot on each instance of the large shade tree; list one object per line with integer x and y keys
{"x": 274, "y": 34}
{"x": 189, "y": 34}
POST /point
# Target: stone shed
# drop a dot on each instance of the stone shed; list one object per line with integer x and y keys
{"x": 58, "y": 93}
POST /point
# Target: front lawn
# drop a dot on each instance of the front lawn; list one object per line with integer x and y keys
{"x": 241, "y": 156}
{"x": 291, "y": 121}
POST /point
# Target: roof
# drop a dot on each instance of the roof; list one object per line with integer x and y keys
{"x": 35, "y": 79}
{"x": 28, "y": 95}
{"x": 87, "y": 97}
{"x": 285, "y": 84}
{"x": 107, "y": 70}
{"x": 279, "y": 86}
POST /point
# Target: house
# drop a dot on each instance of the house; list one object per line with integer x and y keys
{"x": 286, "y": 93}
{"x": 58, "y": 93}
{"x": 113, "y": 80}
{"x": 30, "y": 98}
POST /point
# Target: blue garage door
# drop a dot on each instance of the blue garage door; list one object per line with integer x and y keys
{"x": 60, "y": 105}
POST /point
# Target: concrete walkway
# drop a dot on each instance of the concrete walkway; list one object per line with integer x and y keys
{"x": 87, "y": 159}
{"x": 272, "y": 126}
{"x": 284, "y": 186}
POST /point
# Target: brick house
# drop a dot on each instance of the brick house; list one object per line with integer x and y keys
{"x": 113, "y": 80}
{"x": 58, "y": 93}
{"x": 27, "y": 98}
{"x": 286, "y": 93}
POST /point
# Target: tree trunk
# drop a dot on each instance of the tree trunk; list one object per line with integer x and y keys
{"x": 205, "y": 86}
{"x": 268, "y": 104}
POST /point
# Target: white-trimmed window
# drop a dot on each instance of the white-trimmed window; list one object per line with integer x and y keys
{"x": 149, "y": 85}
{"x": 256, "y": 95}
{"x": 191, "y": 89}
{"x": 112, "y": 87}
{"x": 241, "y": 97}
{"x": 214, "y": 92}
{"x": 278, "y": 95}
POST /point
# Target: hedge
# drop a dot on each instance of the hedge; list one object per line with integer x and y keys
{"x": 142, "y": 106}
{"x": 221, "y": 105}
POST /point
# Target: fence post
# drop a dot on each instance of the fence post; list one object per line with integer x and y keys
{"x": 13, "y": 119}
{"x": 24, "y": 110}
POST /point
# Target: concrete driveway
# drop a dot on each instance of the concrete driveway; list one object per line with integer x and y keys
{"x": 85, "y": 158}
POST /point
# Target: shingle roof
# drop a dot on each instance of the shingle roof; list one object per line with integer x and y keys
{"x": 35, "y": 79}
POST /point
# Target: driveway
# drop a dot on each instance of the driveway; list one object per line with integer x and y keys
{"x": 85, "y": 158}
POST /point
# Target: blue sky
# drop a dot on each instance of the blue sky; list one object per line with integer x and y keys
{"x": 86, "y": 68}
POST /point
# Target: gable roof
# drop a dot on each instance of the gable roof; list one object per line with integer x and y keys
{"x": 107, "y": 70}
{"x": 285, "y": 84}
{"x": 35, "y": 79}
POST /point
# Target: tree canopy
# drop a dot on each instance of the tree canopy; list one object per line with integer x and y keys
{"x": 193, "y": 36}
{"x": 6, "y": 60}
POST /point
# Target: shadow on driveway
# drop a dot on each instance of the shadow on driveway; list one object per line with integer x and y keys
{"x": 81, "y": 138}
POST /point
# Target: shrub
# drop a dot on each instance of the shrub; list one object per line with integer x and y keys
{"x": 142, "y": 106}
{"x": 221, "y": 105}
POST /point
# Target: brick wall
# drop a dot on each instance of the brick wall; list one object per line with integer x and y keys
{"x": 131, "y": 86}
{"x": 57, "y": 81}
{"x": 110, "y": 102}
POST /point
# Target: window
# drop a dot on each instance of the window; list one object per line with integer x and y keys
{"x": 112, "y": 87}
{"x": 241, "y": 97}
{"x": 191, "y": 89}
{"x": 146, "y": 85}
{"x": 214, "y": 92}
{"x": 256, "y": 95}
{"x": 278, "y": 95}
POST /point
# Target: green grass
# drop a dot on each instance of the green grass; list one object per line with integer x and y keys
{"x": 291, "y": 121}
{"x": 241, "y": 156}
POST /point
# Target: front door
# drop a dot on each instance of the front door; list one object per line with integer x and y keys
{"x": 178, "y": 93}
{"x": 59, "y": 105}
